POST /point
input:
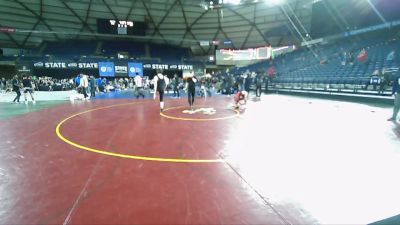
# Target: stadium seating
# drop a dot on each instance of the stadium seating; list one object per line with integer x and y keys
{"x": 303, "y": 69}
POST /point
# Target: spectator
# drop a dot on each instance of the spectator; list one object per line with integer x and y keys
{"x": 374, "y": 79}
{"x": 391, "y": 56}
{"x": 271, "y": 72}
{"x": 385, "y": 78}
{"x": 258, "y": 85}
{"x": 351, "y": 58}
{"x": 266, "y": 82}
{"x": 343, "y": 58}
{"x": 247, "y": 83}
{"x": 3, "y": 84}
{"x": 362, "y": 56}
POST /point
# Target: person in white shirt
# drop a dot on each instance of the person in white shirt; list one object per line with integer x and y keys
{"x": 139, "y": 90}
{"x": 84, "y": 83}
{"x": 160, "y": 82}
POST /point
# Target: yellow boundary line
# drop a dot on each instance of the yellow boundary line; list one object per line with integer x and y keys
{"x": 104, "y": 152}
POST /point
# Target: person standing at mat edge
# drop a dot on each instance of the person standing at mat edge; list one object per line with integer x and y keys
{"x": 27, "y": 84}
{"x": 83, "y": 84}
{"x": 139, "y": 91}
{"x": 396, "y": 93}
{"x": 92, "y": 87}
{"x": 160, "y": 83}
{"x": 191, "y": 89}
{"x": 15, "y": 88}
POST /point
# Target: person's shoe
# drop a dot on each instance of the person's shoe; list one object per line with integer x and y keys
{"x": 34, "y": 102}
{"x": 26, "y": 102}
{"x": 391, "y": 119}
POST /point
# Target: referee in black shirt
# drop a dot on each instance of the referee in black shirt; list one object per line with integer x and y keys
{"x": 27, "y": 83}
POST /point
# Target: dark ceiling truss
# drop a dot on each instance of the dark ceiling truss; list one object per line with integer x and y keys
{"x": 252, "y": 27}
{"x": 287, "y": 25}
{"x": 130, "y": 9}
{"x": 304, "y": 30}
{"x": 75, "y": 19}
{"x": 338, "y": 19}
{"x": 250, "y": 23}
{"x": 189, "y": 29}
{"x": 157, "y": 26}
{"x": 84, "y": 22}
{"x": 38, "y": 16}
{"x": 221, "y": 30}
{"x": 226, "y": 36}
{"x": 36, "y": 24}
{"x": 186, "y": 23}
{"x": 215, "y": 36}
{"x": 247, "y": 37}
{"x": 12, "y": 39}
{"x": 198, "y": 42}
{"x": 110, "y": 10}
{"x": 300, "y": 35}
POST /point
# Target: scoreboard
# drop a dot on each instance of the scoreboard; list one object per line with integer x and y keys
{"x": 121, "y": 27}
{"x": 230, "y": 56}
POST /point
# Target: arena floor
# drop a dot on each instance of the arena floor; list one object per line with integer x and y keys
{"x": 116, "y": 160}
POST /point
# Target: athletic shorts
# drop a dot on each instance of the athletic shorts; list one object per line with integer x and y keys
{"x": 26, "y": 90}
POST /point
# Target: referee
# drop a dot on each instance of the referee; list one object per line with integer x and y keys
{"x": 27, "y": 83}
{"x": 139, "y": 90}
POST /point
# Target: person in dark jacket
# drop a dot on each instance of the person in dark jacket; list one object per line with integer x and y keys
{"x": 27, "y": 84}
{"x": 396, "y": 93}
{"x": 92, "y": 86}
{"x": 16, "y": 88}
{"x": 191, "y": 89}
{"x": 247, "y": 83}
{"x": 175, "y": 83}
{"x": 258, "y": 85}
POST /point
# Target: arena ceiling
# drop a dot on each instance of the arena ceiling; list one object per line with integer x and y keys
{"x": 177, "y": 22}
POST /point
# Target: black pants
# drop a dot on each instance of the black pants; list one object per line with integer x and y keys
{"x": 176, "y": 92}
{"x": 191, "y": 94}
{"x": 92, "y": 92}
{"x": 139, "y": 92}
{"x": 382, "y": 86}
{"x": 84, "y": 92}
{"x": 18, "y": 95}
{"x": 258, "y": 91}
{"x": 161, "y": 95}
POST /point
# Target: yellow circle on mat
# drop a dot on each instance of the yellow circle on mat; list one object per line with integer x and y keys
{"x": 196, "y": 119}
{"x": 104, "y": 152}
